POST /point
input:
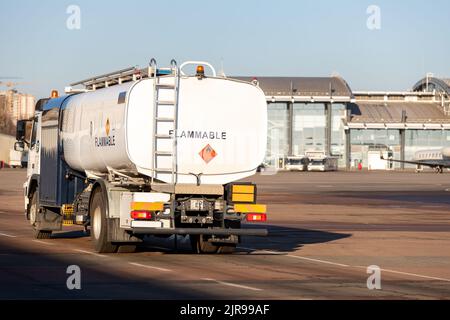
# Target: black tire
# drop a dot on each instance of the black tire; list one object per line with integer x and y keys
{"x": 200, "y": 244}
{"x": 42, "y": 234}
{"x": 99, "y": 226}
{"x": 32, "y": 215}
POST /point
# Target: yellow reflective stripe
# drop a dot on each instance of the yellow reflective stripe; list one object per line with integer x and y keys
{"x": 243, "y": 197}
{"x": 243, "y": 188}
{"x": 250, "y": 208}
{"x": 67, "y": 208}
{"x": 147, "y": 206}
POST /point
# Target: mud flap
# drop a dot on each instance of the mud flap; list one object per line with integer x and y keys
{"x": 116, "y": 234}
{"x": 48, "y": 220}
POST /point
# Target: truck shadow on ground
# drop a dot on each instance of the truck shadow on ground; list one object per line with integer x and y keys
{"x": 75, "y": 234}
{"x": 287, "y": 239}
{"x": 281, "y": 239}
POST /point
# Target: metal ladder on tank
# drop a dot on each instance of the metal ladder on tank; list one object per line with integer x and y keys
{"x": 157, "y": 153}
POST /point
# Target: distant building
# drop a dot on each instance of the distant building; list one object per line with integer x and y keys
{"x": 18, "y": 105}
{"x": 2, "y": 100}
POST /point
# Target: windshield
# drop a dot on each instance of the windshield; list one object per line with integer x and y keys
{"x": 317, "y": 162}
{"x": 33, "y": 133}
{"x": 295, "y": 161}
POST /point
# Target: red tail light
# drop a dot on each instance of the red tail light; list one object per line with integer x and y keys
{"x": 141, "y": 215}
{"x": 256, "y": 217}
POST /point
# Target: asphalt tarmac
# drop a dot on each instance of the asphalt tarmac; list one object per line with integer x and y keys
{"x": 325, "y": 230}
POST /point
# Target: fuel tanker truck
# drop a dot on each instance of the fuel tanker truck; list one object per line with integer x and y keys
{"x": 153, "y": 151}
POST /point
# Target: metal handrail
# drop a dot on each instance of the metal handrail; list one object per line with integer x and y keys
{"x": 107, "y": 76}
{"x": 186, "y": 63}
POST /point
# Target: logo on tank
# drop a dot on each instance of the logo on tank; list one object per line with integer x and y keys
{"x": 107, "y": 140}
{"x": 207, "y": 153}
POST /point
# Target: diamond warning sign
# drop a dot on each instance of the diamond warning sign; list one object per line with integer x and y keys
{"x": 207, "y": 153}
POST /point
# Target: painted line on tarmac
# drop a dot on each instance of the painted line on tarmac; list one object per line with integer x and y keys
{"x": 411, "y": 274}
{"x": 149, "y": 267}
{"x": 349, "y": 266}
{"x": 318, "y": 260}
{"x": 43, "y": 242}
{"x": 89, "y": 252}
{"x": 229, "y": 284}
{"x": 297, "y": 257}
{"x": 7, "y": 235}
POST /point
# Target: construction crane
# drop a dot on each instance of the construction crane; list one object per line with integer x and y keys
{"x": 9, "y": 84}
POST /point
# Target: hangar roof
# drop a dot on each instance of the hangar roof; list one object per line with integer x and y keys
{"x": 302, "y": 86}
{"x": 432, "y": 83}
{"x": 447, "y": 81}
{"x": 391, "y": 112}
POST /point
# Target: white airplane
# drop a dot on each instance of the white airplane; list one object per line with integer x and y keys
{"x": 438, "y": 159}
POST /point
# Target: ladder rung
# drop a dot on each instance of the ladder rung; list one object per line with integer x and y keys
{"x": 168, "y": 170}
{"x": 163, "y": 153}
{"x": 165, "y": 86}
{"x": 165, "y": 102}
{"x": 163, "y": 136}
{"x": 165, "y": 119}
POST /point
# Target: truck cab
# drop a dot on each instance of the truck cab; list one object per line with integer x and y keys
{"x": 29, "y": 134}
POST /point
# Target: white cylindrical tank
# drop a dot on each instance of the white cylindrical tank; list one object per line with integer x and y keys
{"x": 221, "y": 131}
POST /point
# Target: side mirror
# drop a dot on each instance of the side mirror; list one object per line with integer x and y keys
{"x": 19, "y": 146}
{"x": 21, "y": 130}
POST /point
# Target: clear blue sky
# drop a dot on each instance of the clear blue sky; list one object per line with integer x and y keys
{"x": 252, "y": 37}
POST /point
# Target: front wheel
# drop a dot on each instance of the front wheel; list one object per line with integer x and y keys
{"x": 99, "y": 227}
{"x": 33, "y": 211}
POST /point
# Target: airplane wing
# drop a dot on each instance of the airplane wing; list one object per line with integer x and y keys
{"x": 431, "y": 163}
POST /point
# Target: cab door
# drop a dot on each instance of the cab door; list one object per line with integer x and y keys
{"x": 35, "y": 150}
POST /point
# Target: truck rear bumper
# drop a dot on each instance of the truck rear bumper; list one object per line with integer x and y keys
{"x": 216, "y": 232}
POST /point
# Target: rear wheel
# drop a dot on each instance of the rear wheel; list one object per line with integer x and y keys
{"x": 33, "y": 211}
{"x": 200, "y": 244}
{"x": 99, "y": 227}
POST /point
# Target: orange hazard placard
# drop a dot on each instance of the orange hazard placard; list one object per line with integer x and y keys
{"x": 207, "y": 153}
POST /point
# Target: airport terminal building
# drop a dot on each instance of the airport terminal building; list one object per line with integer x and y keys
{"x": 323, "y": 114}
